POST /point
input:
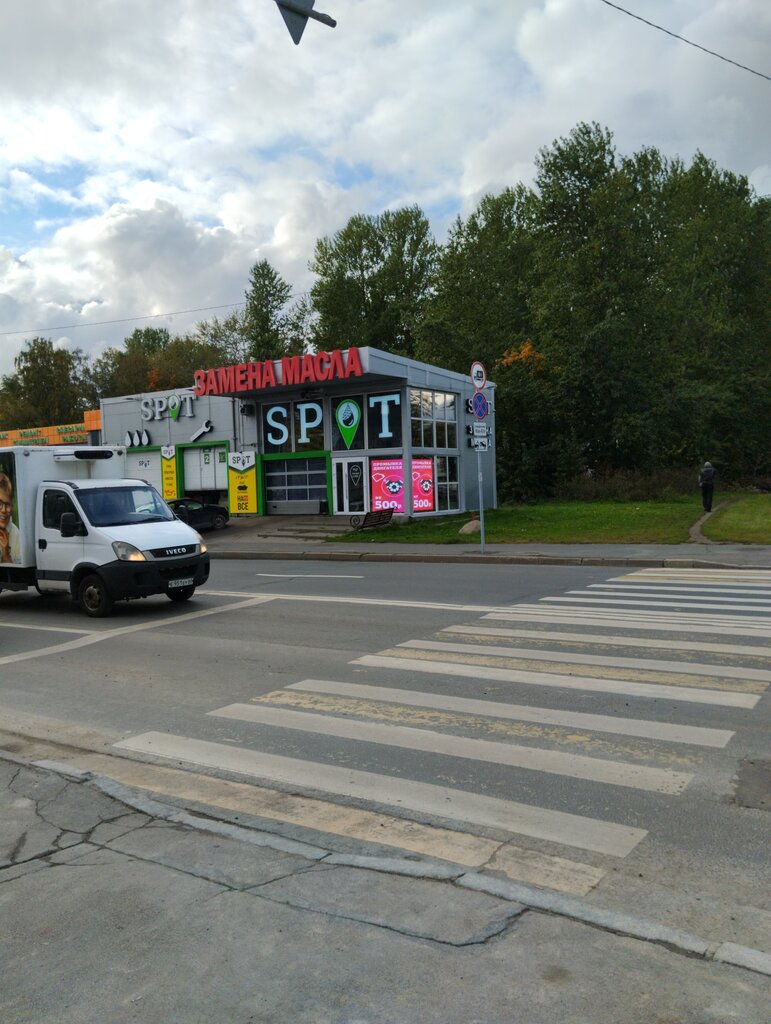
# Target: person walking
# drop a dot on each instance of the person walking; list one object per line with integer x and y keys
{"x": 707, "y": 485}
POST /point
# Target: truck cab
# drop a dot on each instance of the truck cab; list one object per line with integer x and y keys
{"x": 108, "y": 540}
{"x": 74, "y": 528}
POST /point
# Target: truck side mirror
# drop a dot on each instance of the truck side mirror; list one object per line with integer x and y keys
{"x": 70, "y": 525}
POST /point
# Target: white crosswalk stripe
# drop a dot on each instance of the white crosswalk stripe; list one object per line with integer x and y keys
{"x": 688, "y": 668}
{"x": 452, "y": 708}
{"x": 692, "y": 695}
{"x": 606, "y": 640}
{"x": 664, "y": 731}
{"x": 656, "y": 603}
{"x": 657, "y": 780}
{"x": 539, "y": 822}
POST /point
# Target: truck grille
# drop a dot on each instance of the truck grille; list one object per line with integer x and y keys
{"x": 174, "y": 552}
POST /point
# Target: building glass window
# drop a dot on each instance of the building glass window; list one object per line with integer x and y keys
{"x": 447, "y": 493}
{"x": 433, "y": 417}
{"x": 384, "y": 421}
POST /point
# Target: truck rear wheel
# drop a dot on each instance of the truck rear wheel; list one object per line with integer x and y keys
{"x": 180, "y": 594}
{"x": 94, "y": 598}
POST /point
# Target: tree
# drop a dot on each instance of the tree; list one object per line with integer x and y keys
{"x": 478, "y": 305}
{"x": 265, "y": 313}
{"x": 127, "y": 371}
{"x": 228, "y": 336}
{"x": 49, "y": 385}
{"x": 175, "y": 365}
{"x": 374, "y": 276}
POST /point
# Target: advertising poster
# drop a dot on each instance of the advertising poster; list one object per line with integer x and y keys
{"x": 169, "y": 472}
{"x": 422, "y": 485}
{"x": 10, "y": 540}
{"x": 387, "y": 484}
{"x": 242, "y": 483}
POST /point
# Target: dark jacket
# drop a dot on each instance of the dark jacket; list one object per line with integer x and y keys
{"x": 707, "y": 475}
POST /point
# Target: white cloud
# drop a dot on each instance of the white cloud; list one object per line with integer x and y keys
{"x": 151, "y": 152}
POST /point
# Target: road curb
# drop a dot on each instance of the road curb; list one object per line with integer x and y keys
{"x": 476, "y": 558}
{"x": 524, "y": 897}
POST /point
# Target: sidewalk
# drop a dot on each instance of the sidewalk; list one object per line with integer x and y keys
{"x": 258, "y": 537}
{"x": 118, "y": 908}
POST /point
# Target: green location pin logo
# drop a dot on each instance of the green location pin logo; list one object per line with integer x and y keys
{"x": 175, "y": 404}
{"x": 348, "y": 417}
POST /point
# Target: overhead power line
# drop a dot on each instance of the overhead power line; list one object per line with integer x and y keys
{"x": 125, "y": 320}
{"x": 682, "y": 39}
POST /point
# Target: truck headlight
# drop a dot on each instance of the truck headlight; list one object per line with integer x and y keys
{"x": 201, "y": 544}
{"x": 127, "y": 552}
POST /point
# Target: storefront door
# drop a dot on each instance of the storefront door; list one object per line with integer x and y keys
{"x": 350, "y": 477}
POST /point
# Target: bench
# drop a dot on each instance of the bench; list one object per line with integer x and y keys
{"x": 381, "y": 517}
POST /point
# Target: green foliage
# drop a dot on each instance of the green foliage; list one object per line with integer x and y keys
{"x": 49, "y": 385}
{"x": 266, "y": 318}
{"x": 652, "y": 522}
{"x": 745, "y": 519}
{"x": 622, "y": 309}
{"x": 373, "y": 277}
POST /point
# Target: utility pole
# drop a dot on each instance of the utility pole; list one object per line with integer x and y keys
{"x": 296, "y": 14}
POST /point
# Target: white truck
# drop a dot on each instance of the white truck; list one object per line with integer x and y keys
{"x": 71, "y": 522}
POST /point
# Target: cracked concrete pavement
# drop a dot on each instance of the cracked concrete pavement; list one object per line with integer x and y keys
{"x": 117, "y": 914}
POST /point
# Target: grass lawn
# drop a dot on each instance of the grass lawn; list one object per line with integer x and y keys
{"x": 746, "y": 519}
{"x": 558, "y": 522}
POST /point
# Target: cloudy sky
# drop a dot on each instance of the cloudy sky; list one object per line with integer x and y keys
{"x": 152, "y": 150}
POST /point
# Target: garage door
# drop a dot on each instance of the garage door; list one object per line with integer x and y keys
{"x": 295, "y": 486}
{"x": 206, "y": 469}
{"x": 145, "y": 466}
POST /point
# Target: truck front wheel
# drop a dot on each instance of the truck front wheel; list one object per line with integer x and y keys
{"x": 94, "y": 598}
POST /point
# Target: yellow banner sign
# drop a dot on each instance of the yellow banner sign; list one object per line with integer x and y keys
{"x": 169, "y": 472}
{"x": 242, "y": 482}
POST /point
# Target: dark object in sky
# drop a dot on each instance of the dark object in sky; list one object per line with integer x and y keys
{"x": 296, "y": 14}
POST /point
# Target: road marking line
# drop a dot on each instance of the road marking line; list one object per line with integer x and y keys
{"x": 739, "y": 574}
{"x": 459, "y": 805}
{"x": 648, "y": 664}
{"x": 306, "y": 576}
{"x": 654, "y": 691}
{"x": 108, "y": 634}
{"x": 641, "y": 620}
{"x": 636, "y": 614}
{"x": 667, "y": 588}
{"x": 613, "y": 601}
{"x": 750, "y": 650}
{"x": 620, "y": 595}
{"x": 47, "y": 629}
{"x": 537, "y": 759}
{"x": 666, "y": 732}
{"x": 379, "y": 602}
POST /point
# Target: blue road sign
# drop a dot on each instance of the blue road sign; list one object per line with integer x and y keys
{"x": 479, "y": 405}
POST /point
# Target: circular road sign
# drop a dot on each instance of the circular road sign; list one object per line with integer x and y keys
{"x": 478, "y": 375}
{"x": 479, "y": 405}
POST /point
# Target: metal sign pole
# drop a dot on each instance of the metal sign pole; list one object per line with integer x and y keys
{"x": 481, "y": 505}
{"x": 479, "y": 407}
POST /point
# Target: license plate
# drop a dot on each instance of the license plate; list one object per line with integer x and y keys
{"x": 181, "y": 583}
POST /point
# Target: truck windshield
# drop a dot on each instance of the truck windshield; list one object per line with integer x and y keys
{"x": 123, "y": 506}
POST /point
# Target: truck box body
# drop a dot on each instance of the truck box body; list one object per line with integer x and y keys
{"x": 70, "y": 515}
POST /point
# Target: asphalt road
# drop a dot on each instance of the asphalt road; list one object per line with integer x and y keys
{"x": 590, "y": 728}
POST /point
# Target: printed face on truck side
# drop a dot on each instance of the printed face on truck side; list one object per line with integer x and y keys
{"x": 6, "y": 526}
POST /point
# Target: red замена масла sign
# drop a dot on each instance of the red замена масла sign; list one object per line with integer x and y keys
{"x": 312, "y": 368}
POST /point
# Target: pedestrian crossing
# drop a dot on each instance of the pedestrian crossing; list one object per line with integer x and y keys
{"x": 566, "y": 721}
